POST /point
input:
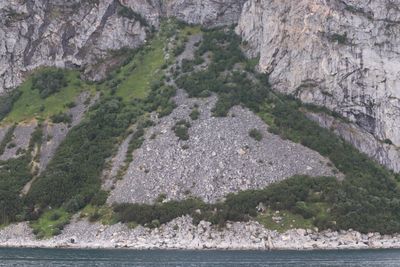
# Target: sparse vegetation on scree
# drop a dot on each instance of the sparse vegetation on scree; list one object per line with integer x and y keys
{"x": 368, "y": 198}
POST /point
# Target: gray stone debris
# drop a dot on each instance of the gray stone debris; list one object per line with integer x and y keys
{"x": 341, "y": 54}
{"x": 386, "y": 154}
{"x": 181, "y": 233}
{"x": 117, "y": 162}
{"x": 54, "y": 134}
{"x": 219, "y": 158}
{"x": 3, "y": 132}
{"x": 20, "y": 140}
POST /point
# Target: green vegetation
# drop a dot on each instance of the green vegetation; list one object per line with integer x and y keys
{"x": 138, "y": 75}
{"x": 71, "y": 179}
{"x": 61, "y": 117}
{"x": 49, "y": 81}
{"x": 195, "y": 114}
{"x": 159, "y": 99}
{"x": 241, "y": 206}
{"x": 73, "y": 174}
{"x": 368, "y": 198}
{"x": 130, "y": 14}
{"x": 233, "y": 88}
{"x": 103, "y": 214}
{"x": 339, "y": 38}
{"x": 135, "y": 79}
{"x": 181, "y": 129}
{"x": 50, "y": 223}
{"x": 255, "y": 134}
{"x": 7, "y": 101}
{"x": 7, "y": 138}
{"x": 283, "y": 221}
{"x": 15, "y": 173}
{"x": 31, "y": 105}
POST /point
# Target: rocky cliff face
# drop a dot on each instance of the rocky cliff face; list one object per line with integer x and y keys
{"x": 58, "y": 33}
{"x": 80, "y": 33}
{"x": 340, "y": 54}
{"x": 204, "y": 12}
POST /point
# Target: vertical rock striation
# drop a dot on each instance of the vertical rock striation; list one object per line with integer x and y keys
{"x": 344, "y": 55}
{"x": 58, "y": 33}
{"x": 79, "y": 33}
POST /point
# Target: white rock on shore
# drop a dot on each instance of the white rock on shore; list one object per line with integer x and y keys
{"x": 182, "y": 234}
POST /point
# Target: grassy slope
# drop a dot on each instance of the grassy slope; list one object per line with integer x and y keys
{"x": 30, "y": 105}
{"x": 145, "y": 67}
{"x": 288, "y": 221}
{"x": 50, "y": 223}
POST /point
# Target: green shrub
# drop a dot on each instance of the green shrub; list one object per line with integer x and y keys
{"x": 76, "y": 167}
{"x": 187, "y": 65}
{"x": 49, "y": 81}
{"x": 255, "y": 134}
{"x": 181, "y": 129}
{"x": 99, "y": 198}
{"x": 195, "y": 114}
{"x": 126, "y": 12}
{"x": 7, "y": 101}
{"x": 7, "y": 138}
{"x": 61, "y": 118}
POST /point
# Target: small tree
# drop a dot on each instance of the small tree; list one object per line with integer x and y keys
{"x": 255, "y": 134}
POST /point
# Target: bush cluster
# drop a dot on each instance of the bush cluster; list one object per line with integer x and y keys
{"x": 255, "y": 134}
{"x": 181, "y": 129}
{"x": 49, "y": 81}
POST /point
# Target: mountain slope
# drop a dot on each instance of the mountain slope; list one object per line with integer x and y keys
{"x": 343, "y": 55}
{"x": 183, "y": 125}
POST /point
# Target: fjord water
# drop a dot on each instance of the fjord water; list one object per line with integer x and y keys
{"x": 71, "y": 257}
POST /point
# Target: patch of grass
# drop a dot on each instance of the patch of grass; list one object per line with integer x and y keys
{"x": 138, "y": 75}
{"x": 190, "y": 30}
{"x": 51, "y": 223}
{"x": 283, "y": 221}
{"x": 31, "y": 105}
{"x": 103, "y": 214}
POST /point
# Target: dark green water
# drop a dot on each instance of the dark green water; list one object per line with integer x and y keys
{"x": 70, "y": 257}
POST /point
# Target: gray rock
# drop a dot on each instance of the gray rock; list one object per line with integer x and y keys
{"x": 180, "y": 233}
{"x": 343, "y": 55}
{"x": 20, "y": 141}
{"x": 386, "y": 154}
{"x": 220, "y": 157}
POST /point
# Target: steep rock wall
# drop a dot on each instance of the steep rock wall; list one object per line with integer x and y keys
{"x": 79, "y": 33}
{"x": 344, "y": 55}
{"x": 57, "y": 33}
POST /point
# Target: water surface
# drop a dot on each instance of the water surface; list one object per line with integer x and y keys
{"x": 71, "y": 257}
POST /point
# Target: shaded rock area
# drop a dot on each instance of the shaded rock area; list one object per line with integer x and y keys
{"x": 182, "y": 234}
{"x": 3, "y": 132}
{"x": 115, "y": 163}
{"x": 81, "y": 34}
{"x": 69, "y": 34}
{"x": 341, "y": 54}
{"x": 209, "y": 13}
{"x": 20, "y": 140}
{"x": 219, "y": 158}
{"x": 385, "y": 153}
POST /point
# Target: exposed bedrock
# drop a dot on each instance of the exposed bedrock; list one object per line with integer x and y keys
{"x": 62, "y": 34}
{"x": 344, "y": 55}
{"x": 81, "y": 33}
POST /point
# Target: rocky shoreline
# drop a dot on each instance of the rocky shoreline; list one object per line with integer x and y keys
{"x": 181, "y": 234}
